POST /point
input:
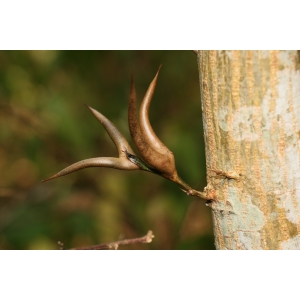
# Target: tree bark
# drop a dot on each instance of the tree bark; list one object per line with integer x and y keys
{"x": 251, "y": 115}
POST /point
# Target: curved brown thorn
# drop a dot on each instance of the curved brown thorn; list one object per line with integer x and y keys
{"x": 122, "y": 145}
{"x": 133, "y": 122}
{"x": 156, "y": 153}
{"x": 152, "y": 150}
{"x": 146, "y": 128}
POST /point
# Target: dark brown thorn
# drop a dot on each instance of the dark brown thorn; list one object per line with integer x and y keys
{"x": 134, "y": 125}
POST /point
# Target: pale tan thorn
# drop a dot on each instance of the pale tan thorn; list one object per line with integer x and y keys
{"x": 108, "y": 162}
{"x": 122, "y": 145}
{"x": 113, "y": 132}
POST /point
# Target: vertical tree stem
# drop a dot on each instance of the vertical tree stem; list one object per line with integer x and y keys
{"x": 251, "y": 114}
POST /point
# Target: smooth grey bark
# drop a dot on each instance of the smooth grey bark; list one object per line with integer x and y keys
{"x": 251, "y": 115}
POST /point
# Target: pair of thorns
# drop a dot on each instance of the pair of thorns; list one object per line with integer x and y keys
{"x": 156, "y": 157}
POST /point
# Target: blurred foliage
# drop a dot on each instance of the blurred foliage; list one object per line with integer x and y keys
{"x": 45, "y": 127}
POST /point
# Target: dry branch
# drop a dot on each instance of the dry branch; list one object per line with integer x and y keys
{"x": 115, "y": 245}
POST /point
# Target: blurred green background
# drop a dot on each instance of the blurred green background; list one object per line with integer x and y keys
{"x": 44, "y": 127}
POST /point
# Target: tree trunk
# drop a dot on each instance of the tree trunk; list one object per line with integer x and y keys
{"x": 251, "y": 116}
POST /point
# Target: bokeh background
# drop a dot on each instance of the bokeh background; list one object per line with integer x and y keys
{"x": 44, "y": 127}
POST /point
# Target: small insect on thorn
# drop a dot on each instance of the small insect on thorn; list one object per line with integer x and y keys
{"x": 137, "y": 161}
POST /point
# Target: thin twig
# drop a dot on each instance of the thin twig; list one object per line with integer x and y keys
{"x": 115, "y": 245}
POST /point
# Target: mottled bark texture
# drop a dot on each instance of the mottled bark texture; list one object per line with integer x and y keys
{"x": 251, "y": 115}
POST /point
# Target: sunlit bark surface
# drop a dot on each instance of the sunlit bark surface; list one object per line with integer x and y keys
{"x": 251, "y": 114}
